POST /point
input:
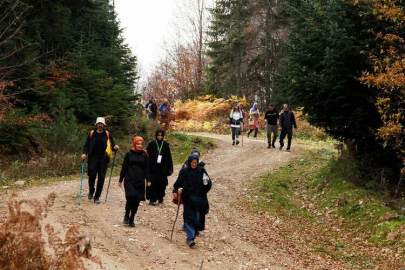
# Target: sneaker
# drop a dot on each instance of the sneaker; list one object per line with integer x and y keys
{"x": 191, "y": 243}
{"x": 233, "y": 143}
{"x": 131, "y": 223}
{"x": 90, "y": 196}
{"x": 237, "y": 142}
{"x": 288, "y": 150}
{"x": 272, "y": 145}
{"x": 97, "y": 200}
{"x": 126, "y": 220}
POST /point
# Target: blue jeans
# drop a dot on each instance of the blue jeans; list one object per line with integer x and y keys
{"x": 191, "y": 219}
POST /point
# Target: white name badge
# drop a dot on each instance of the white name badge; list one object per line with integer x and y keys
{"x": 159, "y": 160}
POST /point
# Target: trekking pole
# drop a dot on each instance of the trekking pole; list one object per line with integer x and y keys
{"x": 242, "y": 132}
{"x": 202, "y": 262}
{"x": 81, "y": 183}
{"x": 112, "y": 167}
{"x": 177, "y": 215}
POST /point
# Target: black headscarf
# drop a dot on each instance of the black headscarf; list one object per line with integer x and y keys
{"x": 160, "y": 131}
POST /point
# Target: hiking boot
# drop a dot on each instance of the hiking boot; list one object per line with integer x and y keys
{"x": 237, "y": 142}
{"x": 131, "y": 223}
{"x": 233, "y": 143}
{"x": 96, "y": 200}
{"x": 272, "y": 145}
{"x": 90, "y": 196}
{"x": 191, "y": 243}
{"x": 126, "y": 220}
{"x": 160, "y": 200}
{"x": 268, "y": 146}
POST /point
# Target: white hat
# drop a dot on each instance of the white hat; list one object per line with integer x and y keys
{"x": 100, "y": 120}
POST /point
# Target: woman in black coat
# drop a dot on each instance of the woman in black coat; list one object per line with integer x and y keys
{"x": 161, "y": 166}
{"x": 193, "y": 185}
{"x": 134, "y": 172}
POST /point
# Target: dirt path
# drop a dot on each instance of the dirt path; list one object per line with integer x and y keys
{"x": 224, "y": 244}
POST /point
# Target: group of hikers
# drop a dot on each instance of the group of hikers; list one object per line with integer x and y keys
{"x": 144, "y": 175}
{"x": 284, "y": 121}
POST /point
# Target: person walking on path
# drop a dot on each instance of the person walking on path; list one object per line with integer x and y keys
{"x": 287, "y": 122}
{"x": 235, "y": 120}
{"x": 134, "y": 172}
{"x": 147, "y": 109}
{"x": 95, "y": 149}
{"x": 153, "y": 110}
{"x": 192, "y": 185}
{"x": 271, "y": 117}
{"x": 254, "y": 120}
{"x": 161, "y": 166}
{"x": 139, "y": 109}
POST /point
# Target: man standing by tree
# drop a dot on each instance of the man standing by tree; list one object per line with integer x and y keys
{"x": 139, "y": 109}
{"x": 95, "y": 148}
{"x": 287, "y": 121}
{"x": 271, "y": 117}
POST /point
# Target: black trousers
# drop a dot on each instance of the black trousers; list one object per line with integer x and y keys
{"x": 97, "y": 167}
{"x": 131, "y": 208}
{"x": 157, "y": 190}
{"x": 285, "y": 132}
{"x": 256, "y": 130}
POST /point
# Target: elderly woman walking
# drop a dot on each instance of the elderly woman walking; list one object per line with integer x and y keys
{"x": 134, "y": 173}
{"x": 192, "y": 185}
{"x": 254, "y": 120}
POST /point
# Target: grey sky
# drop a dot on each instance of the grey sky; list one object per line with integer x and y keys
{"x": 147, "y": 24}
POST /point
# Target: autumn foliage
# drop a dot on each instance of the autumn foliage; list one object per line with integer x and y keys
{"x": 24, "y": 244}
{"x": 389, "y": 74}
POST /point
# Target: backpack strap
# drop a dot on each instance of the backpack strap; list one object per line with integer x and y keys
{"x": 91, "y": 133}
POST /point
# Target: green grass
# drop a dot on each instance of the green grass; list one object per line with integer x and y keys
{"x": 331, "y": 185}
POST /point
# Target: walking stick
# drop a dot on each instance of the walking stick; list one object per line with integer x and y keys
{"x": 177, "y": 215}
{"x": 112, "y": 167}
{"x": 81, "y": 183}
{"x": 242, "y": 132}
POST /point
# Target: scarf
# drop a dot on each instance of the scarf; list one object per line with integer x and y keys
{"x": 135, "y": 141}
{"x": 254, "y": 109}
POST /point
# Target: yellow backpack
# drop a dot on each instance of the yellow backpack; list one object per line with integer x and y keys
{"x": 108, "y": 150}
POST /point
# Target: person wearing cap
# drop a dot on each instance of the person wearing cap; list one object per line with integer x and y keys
{"x": 95, "y": 150}
{"x": 134, "y": 174}
{"x": 161, "y": 166}
{"x": 192, "y": 185}
{"x": 271, "y": 117}
{"x": 287, "y": 122}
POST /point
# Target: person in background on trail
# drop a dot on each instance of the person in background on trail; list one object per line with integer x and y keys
{"x": 240, "y": 106}
{"x": 139, "y": 109}
{"x": 254, "y": 120}
{"x": 271, "y": 118}
{"x": 192, "y": 185}
{"x": 287, "y": 122}
{"x": 235, "y": 120}
{"x": 147, "y": 109}
{"x": 161, "y": 166}
{"x": 95, "y": 149}
{"x": 164, "y": 115}
{"x": 153, "y": 110}
{"x": 134, "y": 173}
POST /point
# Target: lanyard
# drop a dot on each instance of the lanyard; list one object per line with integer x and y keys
{"x": 159, "y": 148}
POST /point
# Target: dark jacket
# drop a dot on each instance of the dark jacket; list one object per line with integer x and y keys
{"x": 287, "y": 120}
{"x": 271, "y": 117}
{"x": 153, "y": 108}
{"x": 134, "y": 172}
{"x": 167, "y": 162}
{"x": 88, "y": 146}
{"x": 194, "y": 191}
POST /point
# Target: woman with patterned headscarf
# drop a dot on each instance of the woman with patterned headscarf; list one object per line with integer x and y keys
{"x": 134, "y": 172}
{"x": 254, "y": 120}
{"x": 193, "y": 184}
